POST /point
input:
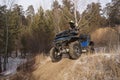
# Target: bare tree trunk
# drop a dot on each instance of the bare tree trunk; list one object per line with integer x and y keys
{"x": 5, "y": 63}
{"x": 6, "y": 45}
{"x": 9, "y": 4}
{"x": 0, "y": 64}
{"x": 75, "y": 12}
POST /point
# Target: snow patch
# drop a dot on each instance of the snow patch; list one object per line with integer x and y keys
{"x": 12, "y": 65}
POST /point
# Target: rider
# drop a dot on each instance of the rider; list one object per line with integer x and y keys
{"x": 72, "y": 30}
{"x": 72, "y": 24}
{"x": 73, "y": 27}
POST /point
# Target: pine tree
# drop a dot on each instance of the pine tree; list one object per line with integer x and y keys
{"x": 56, "y": 16}
{"x": 113, "y": 12}
{"x": 30, "y": 14}
{"x": 91, "y": 18}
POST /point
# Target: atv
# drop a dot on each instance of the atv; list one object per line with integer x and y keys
{"x": 69, "y": 42}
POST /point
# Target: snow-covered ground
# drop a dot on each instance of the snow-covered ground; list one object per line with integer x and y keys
{"x": 12, "y": 65}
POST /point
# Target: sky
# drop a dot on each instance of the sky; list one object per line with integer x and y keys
{"x": 46, "y": 4}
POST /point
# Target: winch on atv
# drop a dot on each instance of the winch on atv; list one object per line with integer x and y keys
{"x": 69, "y": 42}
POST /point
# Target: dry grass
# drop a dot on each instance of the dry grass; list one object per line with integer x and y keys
{"x": 105, "y": 37}
{"x": 96, "y": 67}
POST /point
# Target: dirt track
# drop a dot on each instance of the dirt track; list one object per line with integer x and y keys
{"x": 90, "y": 67}
{"x": 52, "y": 71}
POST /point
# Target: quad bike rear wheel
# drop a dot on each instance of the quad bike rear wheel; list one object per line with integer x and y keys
{"x": 54, "y": 54}
{"x": 91, "y": 47}
{"x": 75, "y": 50}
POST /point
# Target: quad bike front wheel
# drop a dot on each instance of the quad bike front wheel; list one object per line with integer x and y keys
{"x": 75, "y": 50}
{"x": 54, "y": 54}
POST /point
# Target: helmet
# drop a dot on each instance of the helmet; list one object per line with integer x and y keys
{"x": 71, "y": 22}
